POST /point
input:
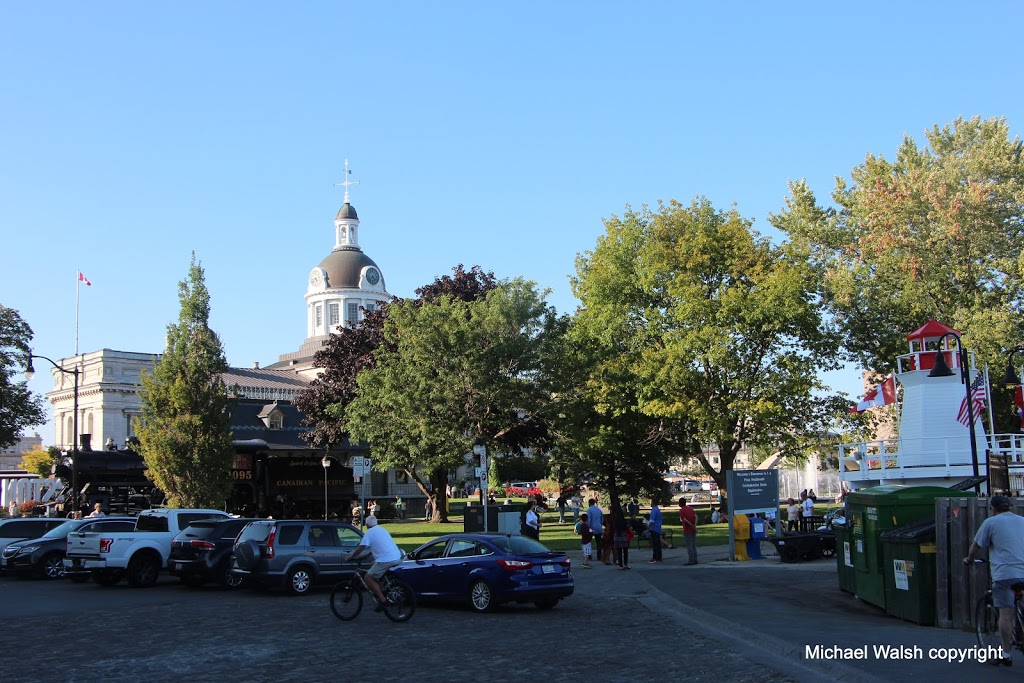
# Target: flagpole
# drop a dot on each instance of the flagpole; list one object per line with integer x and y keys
{"x": 988, "y": 395}
{"x": 78, "y": 286}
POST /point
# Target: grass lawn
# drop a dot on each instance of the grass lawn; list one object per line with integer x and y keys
{"x": 409, "y": 534}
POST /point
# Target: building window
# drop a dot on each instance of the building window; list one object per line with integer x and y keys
{"x": 333, "y": 314}
{"x": 319, "y": 316}
{"x": 370, "y": 307}
{"x": 351, "y": 314}
{"x": 276, "y": 421}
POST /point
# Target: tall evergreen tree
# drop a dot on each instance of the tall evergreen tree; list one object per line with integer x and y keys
{"x": 186, "y": 432}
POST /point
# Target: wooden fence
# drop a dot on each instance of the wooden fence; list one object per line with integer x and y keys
{"x": 958, "y": 587}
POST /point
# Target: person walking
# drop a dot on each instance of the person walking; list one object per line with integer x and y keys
{"x": 620, "y": 539}
{"x": 807, "y": 506}
{"x": 531, "y": 525}
{"x": 792, "y": 515}
{"x": 596, "y": 519}
{"x": 1002, "y": 535}
{"x": 574, "y": 504}
{"x": 582, "y": 529}
{"x": 688, "y": 519}
{"x": 654, "y": 527}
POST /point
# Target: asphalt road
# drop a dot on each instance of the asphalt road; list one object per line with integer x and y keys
{"x": 717, "y": 621}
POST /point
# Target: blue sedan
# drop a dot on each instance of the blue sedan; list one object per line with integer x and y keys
{"x": 487, "y": 570}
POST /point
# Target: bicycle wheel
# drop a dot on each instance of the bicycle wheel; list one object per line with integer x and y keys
{"x": 1018, "y": 627}
{"x": 401, "y": 600}
{"x": 986, "y": 623}
{"x": 346, "y": 601}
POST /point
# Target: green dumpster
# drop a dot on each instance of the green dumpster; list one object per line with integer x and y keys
{"x": 873, "y": 511}
{"x": 844, "y": 557}
{"x": 909, "y": 556}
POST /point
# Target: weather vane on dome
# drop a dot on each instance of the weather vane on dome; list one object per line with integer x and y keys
{"x": 346, "y": 183}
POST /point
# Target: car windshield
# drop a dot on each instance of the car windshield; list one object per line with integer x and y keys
{"x": 64, "y": 529}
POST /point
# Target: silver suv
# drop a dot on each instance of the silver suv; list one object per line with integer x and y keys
{"x": 294, "y": 553}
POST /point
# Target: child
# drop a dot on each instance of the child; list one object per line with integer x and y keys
{"x": 582, "y": 529}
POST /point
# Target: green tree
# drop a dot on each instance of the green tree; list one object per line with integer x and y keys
{"x": 37, "y": 461}
{"x": 185, "y": 435}
{"x": 709, "y": 329}
{"x": 19, "y": 409}
{"x": 938, "y": 232}
{"x": 451, "y": 371}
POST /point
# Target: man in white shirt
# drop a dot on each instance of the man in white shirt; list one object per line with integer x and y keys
{"x": 386, "y": 554}
{"x": 1002, "y": 535}
{"x": 97, "y": 511}
{"x": 808, "y": 511}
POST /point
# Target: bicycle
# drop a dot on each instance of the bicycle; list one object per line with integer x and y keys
{"x": 347, "y": 597}
{"x": 986, "y": 619}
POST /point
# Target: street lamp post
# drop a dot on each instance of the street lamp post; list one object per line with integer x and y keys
{"x": 942, "y": 369}
{"x": 29, "y": 374}
{"x": 326, "y": 462}
{"x": 1012, "y": 377}
{"x": 480, "y": 450}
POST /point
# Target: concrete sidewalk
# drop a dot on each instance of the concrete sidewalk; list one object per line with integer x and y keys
{"x": 791, "y": 617}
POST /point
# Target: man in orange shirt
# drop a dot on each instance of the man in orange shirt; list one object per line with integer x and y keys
{"x": 688, "y": 519}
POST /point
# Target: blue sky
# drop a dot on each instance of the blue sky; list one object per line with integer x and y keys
{"x": 483, "y": 133}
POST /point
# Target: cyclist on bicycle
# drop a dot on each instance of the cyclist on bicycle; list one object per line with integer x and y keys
{"x": 1002, "y": 535}
{"x": 386, "y": 554}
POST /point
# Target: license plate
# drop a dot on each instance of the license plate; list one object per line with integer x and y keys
{"x": 549, "y": 569}
{"x": 177, "y": 566}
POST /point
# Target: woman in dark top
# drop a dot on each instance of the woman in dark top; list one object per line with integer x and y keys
{"x": 619, "y": 538}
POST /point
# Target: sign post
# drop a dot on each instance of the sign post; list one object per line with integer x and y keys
{"x": 750, "y": 491}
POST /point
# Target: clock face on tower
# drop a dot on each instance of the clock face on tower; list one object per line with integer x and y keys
{"x": 372, "y": 276}
{"x": 315, "y": 280}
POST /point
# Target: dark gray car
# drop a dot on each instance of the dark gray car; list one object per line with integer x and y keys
{"x": 294, "y": 553}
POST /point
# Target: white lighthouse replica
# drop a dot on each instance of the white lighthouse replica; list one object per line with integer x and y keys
{"x": 934, "y": 443}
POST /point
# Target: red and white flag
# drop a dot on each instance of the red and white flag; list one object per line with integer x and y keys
{"x": 83, "y": 278}
{"x": 1018, "y": 400}
{"x": 882, "y": 395}
{"x": 979, "y": 394}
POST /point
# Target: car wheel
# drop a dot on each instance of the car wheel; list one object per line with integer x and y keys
{"x": 481, "y": 597}
{"x": 300, "y": 580}
{"x": 546, "y": 603}
{"x": 52, "y": 566}
{"x": 143, "y": 569}
{"x": 106, "y": 579}
{"x": 228, "y": 580}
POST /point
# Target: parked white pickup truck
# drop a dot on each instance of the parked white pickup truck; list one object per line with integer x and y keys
{"x": 138, "y": 555}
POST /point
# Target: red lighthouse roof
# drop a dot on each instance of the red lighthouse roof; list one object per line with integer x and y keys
{"x": 930, "y": 330}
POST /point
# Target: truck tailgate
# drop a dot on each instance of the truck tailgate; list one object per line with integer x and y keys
{"x": 84, "y": 545}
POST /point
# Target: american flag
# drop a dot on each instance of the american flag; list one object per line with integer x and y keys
{"x": 979, "y": 394}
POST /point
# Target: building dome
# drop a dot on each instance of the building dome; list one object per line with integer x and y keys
{"x": 347, "y": 211}
{"x": 345, "y": 265}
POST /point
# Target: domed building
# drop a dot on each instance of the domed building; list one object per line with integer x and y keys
{"x": 346, "y": 284}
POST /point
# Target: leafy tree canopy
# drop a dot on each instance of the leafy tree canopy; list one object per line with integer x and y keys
{"x": 19, "y": 409}
{"x": 185, "y": 436}
{"x": 716, "y": 332}
{"x": 935, "y": 232}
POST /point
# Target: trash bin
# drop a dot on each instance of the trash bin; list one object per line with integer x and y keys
{"x": 473, "y": 520}
{"x": 510, "y": 519}
{"x": 909, "y": 555}
{"x": 844, "y": 557}
{"x": 871, "y": 512}
{"x": 758, "y": 532}
{"x": 741, "y": 534}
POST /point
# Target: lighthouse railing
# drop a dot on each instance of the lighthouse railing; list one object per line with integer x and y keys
{"x": 898, "y": 458}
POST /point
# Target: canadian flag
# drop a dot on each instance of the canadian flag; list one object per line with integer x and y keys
{"x": 83, "y": 278}
{"x": 882, "y": 395}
